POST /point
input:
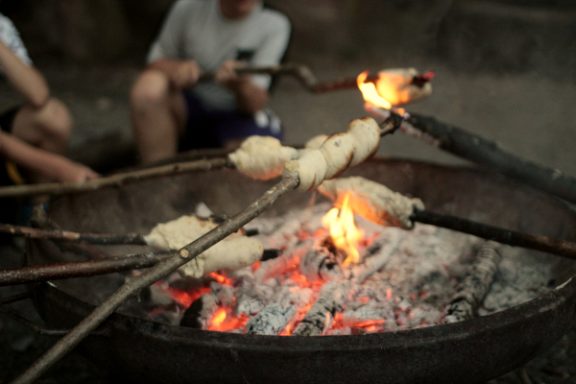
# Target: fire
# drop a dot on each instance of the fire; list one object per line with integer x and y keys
{"x": 343, "y": 231}
{"x": 223, "y": 320}
{"x": 382, "y": 92}
{"x": 371, "y": 93}
{"x": 220, "y": 278}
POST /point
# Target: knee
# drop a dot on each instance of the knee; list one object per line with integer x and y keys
{"x": 54, "y": 122}
{"x": 151, "y": 89}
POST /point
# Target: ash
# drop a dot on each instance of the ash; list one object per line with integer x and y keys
{"x": 405, "y": 280}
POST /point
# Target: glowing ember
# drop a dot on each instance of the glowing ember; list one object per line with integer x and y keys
{"x": 343, "y": 231}
{"x": 401, "y": 280}
{"x": 221, "y": 278}
{"x": 183, "y": 298}
{"x": 223, "y": 320}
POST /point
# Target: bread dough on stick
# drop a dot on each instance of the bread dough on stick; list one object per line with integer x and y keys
{"x": 234, "y": 252}
{"x": 336, "y": 153}
{"x": 373, "y": 201}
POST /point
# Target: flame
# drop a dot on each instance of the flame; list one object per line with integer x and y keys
{"x": 183, "y": 298}
{"x": 343, "y": 231}
{"x": 381, "y": 92}
{"x": 223, "y": 320}
{"x": 220, "y": 278}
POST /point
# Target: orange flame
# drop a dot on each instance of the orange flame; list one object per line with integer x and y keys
{"x": 381, "y": 93}
{"x": 223, "y": 320}
{"x": 343, "y": 231}
{"x": 220, "y": 278}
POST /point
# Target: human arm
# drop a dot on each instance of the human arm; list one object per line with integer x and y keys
{"x": 181, "y": 73}
{"x": 25, "y": 79}
{"x": 250, "y": 97}
{"x": 165, "y": 53}
{"x": 43, "y": 163}
{"x": 251, "y": 91}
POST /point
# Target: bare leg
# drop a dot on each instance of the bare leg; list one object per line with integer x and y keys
{"x": 47, "y": 128}
{"x": 158, "y": 116}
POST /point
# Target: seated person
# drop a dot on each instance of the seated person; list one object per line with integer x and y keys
{"x": 33, "y": 135}
{"x": 171, "y": 110}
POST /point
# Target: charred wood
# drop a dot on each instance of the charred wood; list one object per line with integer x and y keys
{"x": 271, "y": 320}
{"x": 320, "y": 316}
{"x": 475, "y": 285}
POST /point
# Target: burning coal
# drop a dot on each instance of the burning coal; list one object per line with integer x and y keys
{"x": 337, "y": 275}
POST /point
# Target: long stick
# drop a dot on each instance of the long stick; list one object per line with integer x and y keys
{"x": 113, "y": 180}
{"x": 40, "y": 273}
{"x": 59, "y": 234}
{"x": 487, "y": 153}
{"x": 77, "y": 269}
{"x": 173, "y": 262}
{"x": 300, "y": 72}
{"x": 501, "y": 235}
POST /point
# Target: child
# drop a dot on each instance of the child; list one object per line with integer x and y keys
{"x": 34, "y": 134}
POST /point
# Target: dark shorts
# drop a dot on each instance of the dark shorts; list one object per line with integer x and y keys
{"x": 213, "y": 129}
{"x": 9, "y": 174}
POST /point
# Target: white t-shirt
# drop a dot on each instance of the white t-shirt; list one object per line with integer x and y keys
{"x": 196, "y": 29}
{"x": 11, "y": 38}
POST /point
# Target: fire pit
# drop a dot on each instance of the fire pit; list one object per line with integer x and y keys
{"x": 470, "y": 351}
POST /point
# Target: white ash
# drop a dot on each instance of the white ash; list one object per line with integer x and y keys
{"x": 271, "y": 320}
{"x": 404, "y": 281}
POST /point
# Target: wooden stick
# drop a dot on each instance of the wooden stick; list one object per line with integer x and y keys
{"x": 504, "y": 236}
{"x": 112, "y": 180}
{"x": 475, "y": 285}
{"x": 58, "y": 234}
{"x": 289, "y": 182}
{"x": 39, "y": 273}
{"x": 301, "y": 72}
{"x": 487, "y": 153}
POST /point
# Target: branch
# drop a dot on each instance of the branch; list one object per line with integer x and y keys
{"x": 501, "y": 235}
{"x": 173, "y": 262}
{"x": 113, "y": 180}
{"x": 40, "y": 273}
{"x": 58, "y": 234}
{"x": 34, "y": 274}
{"x": 301, "y": 72}
{"x": 487, "y": 153}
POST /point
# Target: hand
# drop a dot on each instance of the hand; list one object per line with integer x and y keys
{"x": 72, "y": 172}
{"x": 185, "y": 74}
{"x": 226, "y": 74}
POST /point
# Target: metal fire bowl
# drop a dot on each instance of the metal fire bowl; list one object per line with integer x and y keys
{"x": 469, "y": 352}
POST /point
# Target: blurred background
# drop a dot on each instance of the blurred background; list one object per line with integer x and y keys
{"x": 505, "y": 68}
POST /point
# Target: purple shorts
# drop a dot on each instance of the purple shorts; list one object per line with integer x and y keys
{"x": 213, "y": 129}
